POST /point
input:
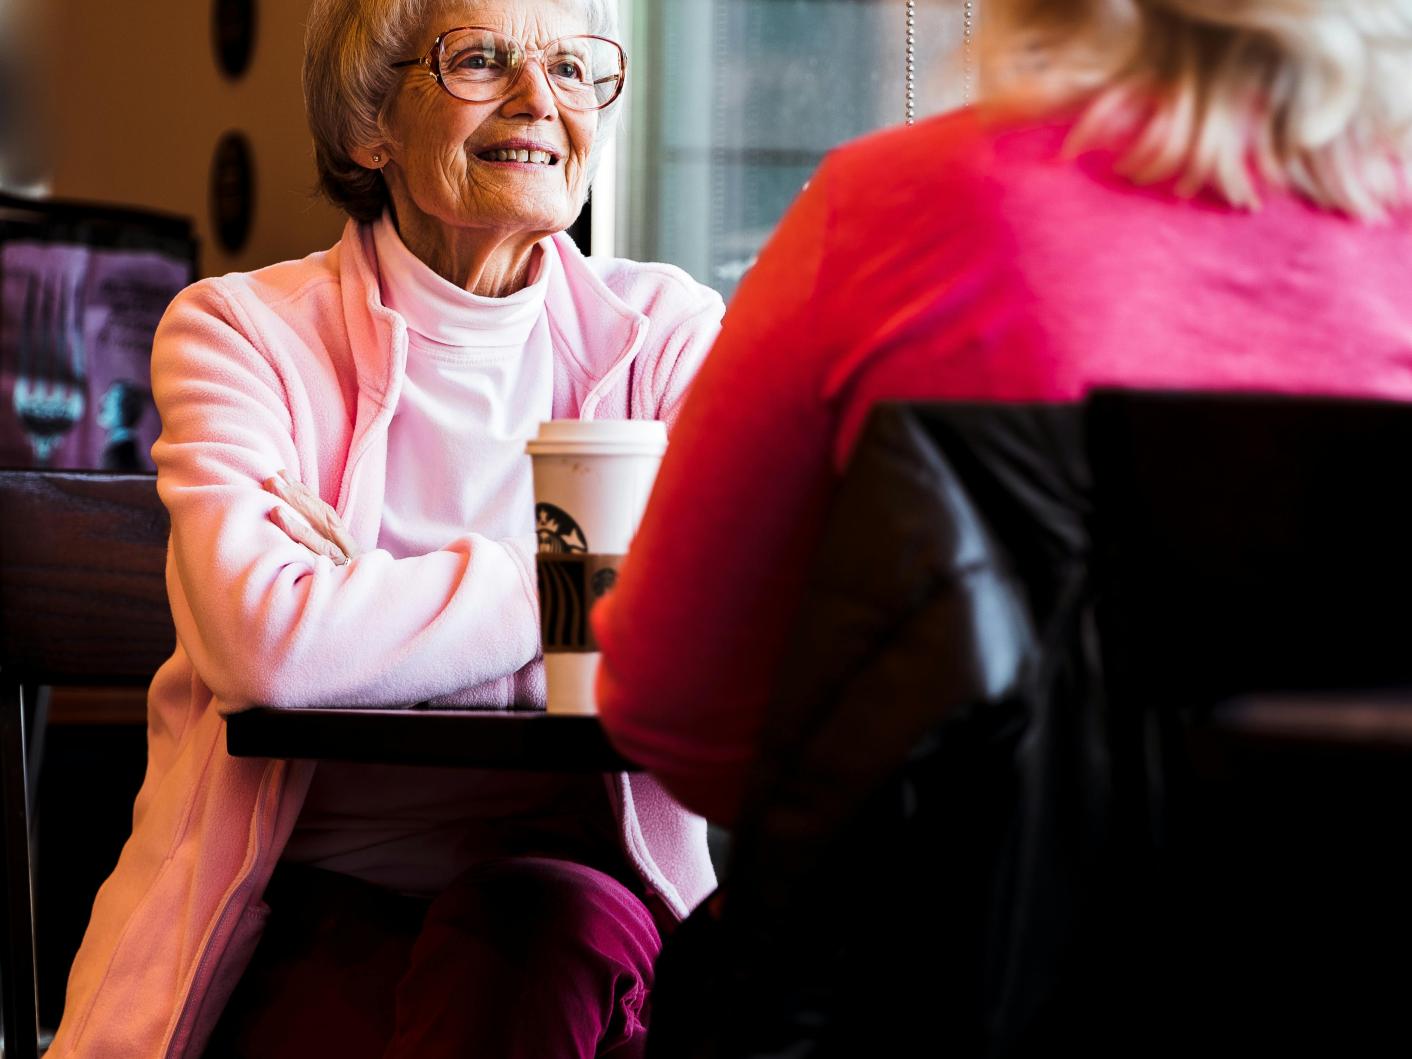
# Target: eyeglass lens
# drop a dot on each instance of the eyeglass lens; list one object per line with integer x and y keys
{"x": 479, "y": 66}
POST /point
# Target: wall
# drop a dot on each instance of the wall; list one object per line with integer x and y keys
{"x": 137, "y": 105}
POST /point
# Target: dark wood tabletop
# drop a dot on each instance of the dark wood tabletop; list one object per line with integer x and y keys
{"x": 499, "y": 739}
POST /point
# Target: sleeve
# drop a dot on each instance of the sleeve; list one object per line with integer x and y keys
{"x": 691, "y": 634}
{"x": 265, "y": 621}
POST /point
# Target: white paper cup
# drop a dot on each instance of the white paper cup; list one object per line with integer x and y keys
{"x": 592, "y": 479}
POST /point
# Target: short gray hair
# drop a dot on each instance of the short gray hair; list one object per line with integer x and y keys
{"x": 348, "y": 83}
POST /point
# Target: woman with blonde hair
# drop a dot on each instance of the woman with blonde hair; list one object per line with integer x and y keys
{"x": 1193, "y": 194}
{"x": 1180, "y": 194}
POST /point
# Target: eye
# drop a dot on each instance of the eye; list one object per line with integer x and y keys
{"x": 568, "y": 68}
{"x": 474, "y": 59}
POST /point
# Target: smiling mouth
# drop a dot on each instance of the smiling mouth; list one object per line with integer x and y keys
{"x": 511, "y": 154}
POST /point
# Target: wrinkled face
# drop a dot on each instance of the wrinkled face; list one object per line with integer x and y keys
{"x": 450, "y": 157}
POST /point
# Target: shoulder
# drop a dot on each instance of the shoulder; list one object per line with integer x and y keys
{"x": 277, "y": 289}
{"x": 240, "y": 314}
{"x": 955, "y": 147}
{"x": 657, "y": 290}
{"x": 903, "y": 206}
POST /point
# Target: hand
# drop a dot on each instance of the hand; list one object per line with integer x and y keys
{"x": 312, "y": 523}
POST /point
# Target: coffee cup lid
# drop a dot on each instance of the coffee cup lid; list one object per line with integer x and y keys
{"x": 599, "y": 437}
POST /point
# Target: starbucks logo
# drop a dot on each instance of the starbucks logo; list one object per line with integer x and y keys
{"x": 557, "y": 531}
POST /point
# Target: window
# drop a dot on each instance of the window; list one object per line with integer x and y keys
{"x": 734, "y": 103}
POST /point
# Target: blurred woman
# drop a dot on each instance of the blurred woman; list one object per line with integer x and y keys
{"x": 1195, "y": 194}
{"x": 342, "y": 457}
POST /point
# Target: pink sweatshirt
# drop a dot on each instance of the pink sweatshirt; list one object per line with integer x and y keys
{"x": 298, "y": 366}
{"x": 959, "y": 258}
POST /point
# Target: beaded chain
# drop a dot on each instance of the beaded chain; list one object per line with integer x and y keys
{"x": 968, "y": 36}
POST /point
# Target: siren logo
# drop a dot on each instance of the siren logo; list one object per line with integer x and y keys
{"x": 557, "y": 531}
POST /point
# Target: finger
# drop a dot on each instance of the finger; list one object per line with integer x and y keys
{"x": 283, "y": 488}
{"x": 319, "y": 514}
{"x": 323, "y": 515}
{"x": 304, "y": 502}
{"x": 325, "y": 523}
{"x": 341, "y": 536}
{"x": 303, "y": 534}
{"x": 298, "y": 530}
{"x": 282, "y": 483}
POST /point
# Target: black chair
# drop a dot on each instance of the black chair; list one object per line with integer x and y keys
{"x": 83, "y": 601}
{"x": 1044, "y": 682}
{"x": 898, "y": 884}
{"x": 1251, "y": 553}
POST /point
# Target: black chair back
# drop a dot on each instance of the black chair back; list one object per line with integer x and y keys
{"x": 1267, "y": 537}
{"x": 83, "y": 601}
{"x": 1252, "y": 556}
{"x": 898, "y": 883}
{"x": 1090, "y": 853}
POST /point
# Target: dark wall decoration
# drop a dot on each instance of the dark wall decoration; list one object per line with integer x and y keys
{"x": 232, "y": 191}
{"x": 233, "y": 34}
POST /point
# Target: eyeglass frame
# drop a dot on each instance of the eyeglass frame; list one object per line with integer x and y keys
{"x": 432, "y": 61}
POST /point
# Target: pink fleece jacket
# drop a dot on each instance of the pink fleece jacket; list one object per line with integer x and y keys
{"x": 298, "y": 367}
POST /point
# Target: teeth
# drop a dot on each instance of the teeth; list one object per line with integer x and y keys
{"x": 518, "y": 155}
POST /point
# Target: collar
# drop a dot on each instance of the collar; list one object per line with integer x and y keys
{"x": 441, "y": 315}
{"x": 593, "y": 331}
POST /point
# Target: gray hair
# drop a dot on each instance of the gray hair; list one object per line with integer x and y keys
{"x": 348, "y": 84}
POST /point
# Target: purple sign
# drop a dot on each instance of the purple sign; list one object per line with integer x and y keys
{"x": 76, "y": 326}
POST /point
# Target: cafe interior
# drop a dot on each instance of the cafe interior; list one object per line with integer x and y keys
{"x": 997, "y": 668}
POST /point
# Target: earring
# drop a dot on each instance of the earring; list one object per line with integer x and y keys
{"x": 377, "y": 159}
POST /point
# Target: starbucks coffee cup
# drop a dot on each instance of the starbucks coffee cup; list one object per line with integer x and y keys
{"x": 592, "y": 479}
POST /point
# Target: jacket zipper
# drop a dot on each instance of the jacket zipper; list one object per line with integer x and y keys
{"x": 196, "y": 991}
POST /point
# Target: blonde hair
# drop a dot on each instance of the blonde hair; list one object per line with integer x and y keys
{"x": 348, "y": 46}
{"x": 1222, "y": 95}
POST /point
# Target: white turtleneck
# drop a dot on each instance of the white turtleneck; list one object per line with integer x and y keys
{"x": 480, "y": 376}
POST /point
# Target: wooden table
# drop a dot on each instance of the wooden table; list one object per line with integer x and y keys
{"x": 496, "y": 739}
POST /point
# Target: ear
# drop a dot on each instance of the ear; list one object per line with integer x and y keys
{"x": 374, "y": 156}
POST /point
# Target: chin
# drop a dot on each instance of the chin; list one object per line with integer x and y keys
{"x": 550, "y": 222}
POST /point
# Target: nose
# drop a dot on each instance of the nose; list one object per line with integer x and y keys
{"x": 531, "y": 97}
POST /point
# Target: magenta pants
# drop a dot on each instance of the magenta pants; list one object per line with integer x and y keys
{"x": 521, "y": 957}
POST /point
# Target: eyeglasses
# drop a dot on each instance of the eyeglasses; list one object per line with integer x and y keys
{"x": 480, "y": 66}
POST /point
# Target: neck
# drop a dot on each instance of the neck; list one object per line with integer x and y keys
{"x": 486, "y": 262}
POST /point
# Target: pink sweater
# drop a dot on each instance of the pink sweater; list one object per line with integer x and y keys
{"x": 959, "y": 258}
{"x": 298, "y": 366}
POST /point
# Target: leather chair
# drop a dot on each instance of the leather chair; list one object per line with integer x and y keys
{"x": 1251, "y": 555}
{"x": 1041, "y": 691}
{"x": 83, "y": 601}
{"x": 929, "y": 807}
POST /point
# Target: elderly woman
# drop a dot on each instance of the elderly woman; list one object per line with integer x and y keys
{"x": 1191, "y": 194}
{"x": 342, "y": 456}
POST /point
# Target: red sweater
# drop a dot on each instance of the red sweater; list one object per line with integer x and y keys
{"x": 949, "y": 260}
